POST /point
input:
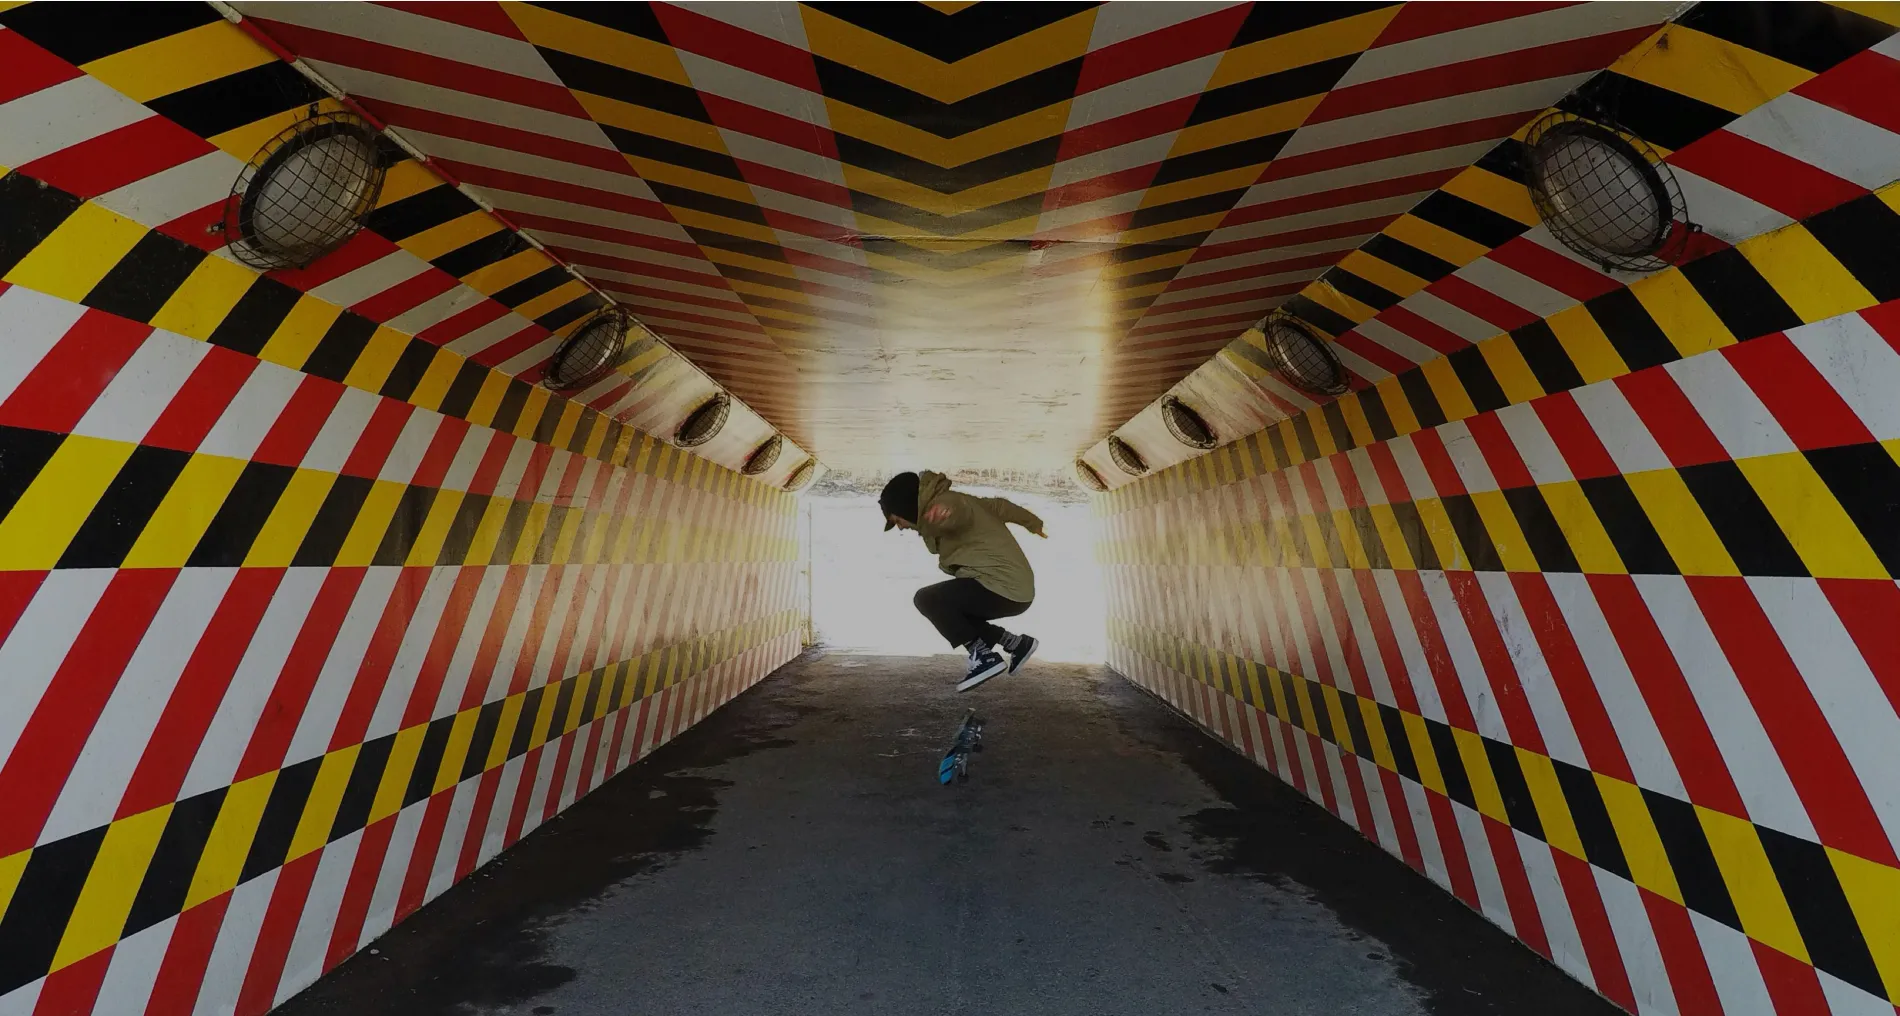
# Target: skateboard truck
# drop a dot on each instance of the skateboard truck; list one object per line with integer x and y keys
{"x": 956, "y": 761}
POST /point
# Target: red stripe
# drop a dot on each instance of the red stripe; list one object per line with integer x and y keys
{"x": 365, "y": 248}
{"x": 611, "y": 234}
{"x": 483, "y": 17}
{"x": 507, "y": 349}
{"x": 745, "y": 118}
{"x": 358, "y": 892}
{"x": 415, "y": 883}
{"x": 498, "y": 136}
{"x": 1366, "y": 823}
{"x": 448, "y": 636}
{"x": 494, "y": 636}
{"x": 73, "y": 990}
{"x": 462, "y": 322}
{"x": 182, "y": 972}
{"x": 1439, "y": 468}
{"x": 1867, "y": 607}
{"x": 1774, "y": 178}
{"x": 1482, "y": 303}
{"x": 1396, "y": 672}
{"x": 426, "y": 68}
{"x": 17, "y": 589}
{"x": 1861, "y": 87}
{"x": 1666, "y": 692}
{"x": 1495, "y": 656}
{"x": 65, "y": 382}
{"x": 1687, "y": 965}
{"x": 1398, "y": 186}
{"x": 1421, "y": 20}
{"x": 1539, "y": 63}
{"x": 524, "y": 789}
{"x": 1164, "y": 47}
{"x": 266, "y": 970}
{"x": 433, "y": 470}
{"x": 478, "y": 823}
{"x": 696, "y": 33}
{"x": 1526, "y": 922}
{"x": 1571, "y": 675}
{"x": 500, "y": 446}
{"x": 1671, "y": 418}
{"x": 301, "y": 420}
{"x": 1421, "y": 330}
{"x": 406, "y": 295}
{"x": 29, "y": 68}
{"x": 1824, "y": 778}
{"x": 1793, "y": 986}
{"x": 1571, "y": 432}
{"x": 1499, "y": 452}
{"x": 118, "y": 157}
{"x": 35, "y": 771}
{"x": 1808, "y": 408}
{"x": 1600, "y": 950}
{"x": 378, "y": 657}
{"x": 202, "y": 399}
{"x": 1451, "y": 693}
{"x": 1322, "y": 772}
{"x": 283, "y": 711}
{"x": 1537, "y": 262}
{"x": 1451, "y": 846}
{"x": 385, "y": 426}
{"x": 198, "y": 228}
{"x": 1430, "y": 139}
{"x": 559, "y": 190}
{"x": 1372, "y": 352}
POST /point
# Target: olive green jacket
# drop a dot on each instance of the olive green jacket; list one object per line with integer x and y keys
{"x": 974, "y": 542}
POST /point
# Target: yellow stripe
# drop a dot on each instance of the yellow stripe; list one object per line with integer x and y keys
{"x": 1636, "y": 831}
{"x": 205, "y": 300}
{"x": 186, "y": 512}
{"x": 177, "y": 62}
{"x": 372, "y": 524}
{"x": 544, "y": 27}
{"x": 1873, "y": 893}
{"x": 1717, "y": 72}
{"x": 98, "y": 917}
{"x": 452, "y": 235}
{"x": 437, "y": 379}
{"x": 1484, "y": 783}
{"x": 297, "y": 335}
{"x": 1501, "y": 524}
{"x": 377, "y": 359}
{"x": 326, "y": 797}
{"x": 1679, "y": 310}
{"x": 12, "y": 867}
{"x": 1553, "y": 810}
{"x": 1499, "y": 194}
{"x": 1813, "y": 283}
{"x": 396, "y": 772}
{"x": 72, "y": 260}
{"x": 45, "y": 519}
{"x": 1508, "y": 365}
{"x": 1343, "y": 37}
{"x": 455, "y": 753}
{"x": 1445, "y": 384}
{"x": 435, "y": 528}
{"x": 290, "y": 520}
{"x": 1586, "y": 345}
{"x": 1751, "y": 882}
{"x": 1589, "y": 542}
{"x": 1813, "y": 521}
{"x": 406, "y": 179}
{"x": 1008, "y": 61}
{"x": 1437, "y": 240}
{"x": 222, "y": 859}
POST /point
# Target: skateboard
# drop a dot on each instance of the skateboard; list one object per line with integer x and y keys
{"x": 956, "y": 761}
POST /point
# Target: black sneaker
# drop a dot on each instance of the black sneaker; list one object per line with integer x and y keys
{"x": 984, "y": 664}
{"x": 1020, "y": 648}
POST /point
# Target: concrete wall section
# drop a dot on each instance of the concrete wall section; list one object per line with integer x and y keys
{"x": 303, "y": 616}
{"x": 1592, "y": 621}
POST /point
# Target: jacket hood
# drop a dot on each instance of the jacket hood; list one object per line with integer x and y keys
{"x": 929, "y": 485}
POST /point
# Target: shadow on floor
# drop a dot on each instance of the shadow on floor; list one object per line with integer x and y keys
{"x": 794, "y": 854}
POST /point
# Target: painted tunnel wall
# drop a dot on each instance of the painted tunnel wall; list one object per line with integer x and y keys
{"x": 1591, "y": 620}
{"x": 309, "y": 603}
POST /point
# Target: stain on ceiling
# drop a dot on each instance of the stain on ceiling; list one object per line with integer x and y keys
{"x": 946, "y": 234}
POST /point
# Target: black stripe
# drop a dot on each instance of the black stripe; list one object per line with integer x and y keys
{"x": 572, "y": 310}
{"x": 1481, "y": 385}
{"x": 1335, "y": 418}
{"x": 80, "y": 33}
{"x": 359, "y": 794}
{"x": 1281, "y": 456}
{"x": 1469, "y": 525}
{"x": 1631, "y": 330}
{"x": 331, "y": 526}
{"x": 120, "y": 515}
{"x": 524, "y": 722}
{"x": 29, "y": 210}
{"x": 435, "y": 740}
{"x": 634, "y": 19}
{"x": 1371, "y": 294}
{"x": 1505, "y": 160}
{"x": 409, "y": 370}
{"x": 461, "y": 534}
{"x": 23, "y": 453}
{"x": 508, "y": 411}
{"x": 242, "y": 516}
{"x": 1859, "y": 234}
{"x": 256, "y": 317}
{"x": 482, "y": 741}
{"x": 1815, "y": 36}
{"x": 181, "y": 846}
{"x": 1221, "y": 158}
{"x": 1451, "y": 766}
{"x": 511, "y": 530}
{"x": 1668, "y": 118}
{"x": 1468, "y": 219}
{"x": 1746, "y": 303}
{"x": 1690, "y": 857}
{"x": 952, "y": 37}
{"x": 544, "y": 281}
{"x": 1269, "y": 21}
{"x": 1186, "y": 208}
{"x": 42, "y": 903}
{"x": 1636, "y": 541}
{"x": 1303, "y": 433}
{"x": 400, "y": 220}
{"x": 1594, "y": 829}
{"x": 1325, "y": 318}
{"x": 1820, "y": 908}
{"x": 1368, "y": 530}
{"x": 478, "y": 254}
{"x": 412, "y": 510}
{"x": 596, "y": 78}
{"x": 147, "y": 276}
{"x": 463, "y": 390}
{"x": 583, "y": 426}
{"x": 1546, "y": 356}
{"x": 1424, "y": 402}
{"x": 1355, "y": 724}
{"x": 282, "y": 812}
{"x": 1027, "y": 93}
{"x": 1866, "y": 481}
{"x": 1395, "y": 738}
{"x": 1513, "y": 788}
{"x": 1417, "y": 541}
{"x": 337, "y": 352}
{"x": 233, "y": 101}
{"x": 551, "y": 534}
{"x": 550, "y": 421}
{"x": 1403, "y": 255}
{"x": 1746, "y": 527}
{"x": 563, "y": 701}
{"x": 1372, "y": 404}
{"x": 1541, "y": 531}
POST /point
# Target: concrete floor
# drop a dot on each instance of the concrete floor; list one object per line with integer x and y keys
{"x": 794, "y": 854}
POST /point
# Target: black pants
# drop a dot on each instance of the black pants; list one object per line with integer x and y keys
{"x": 962, "y": 610}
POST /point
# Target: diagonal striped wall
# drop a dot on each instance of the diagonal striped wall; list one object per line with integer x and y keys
{"x": 310, "y": 602}
{"x": 1590, "y": 621}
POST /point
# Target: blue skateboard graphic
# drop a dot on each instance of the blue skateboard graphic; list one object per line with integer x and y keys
{"x": 956, "y": 761}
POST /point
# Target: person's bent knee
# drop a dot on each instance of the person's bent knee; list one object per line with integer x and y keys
{"x": 925, "y": 599}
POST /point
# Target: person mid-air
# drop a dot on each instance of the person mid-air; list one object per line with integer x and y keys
{"x": 990, "y": 576}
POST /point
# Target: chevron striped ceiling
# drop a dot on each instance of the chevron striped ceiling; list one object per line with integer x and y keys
{"x": 958, "y": 235}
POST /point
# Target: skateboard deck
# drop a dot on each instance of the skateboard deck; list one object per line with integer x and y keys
{"x": 956, "y": 761}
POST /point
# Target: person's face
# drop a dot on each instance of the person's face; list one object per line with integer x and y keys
{"x": 899, "y": 523}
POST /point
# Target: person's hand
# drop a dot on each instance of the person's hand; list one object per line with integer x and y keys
{"x": 1042, "y": 533}
{"x": 936, "y": 513}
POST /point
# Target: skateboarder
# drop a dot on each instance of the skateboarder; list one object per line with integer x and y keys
{"x": 991, "y": 577}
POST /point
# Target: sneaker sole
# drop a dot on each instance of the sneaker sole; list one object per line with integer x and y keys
{"x": 1016, "y": 662}
{"x": 978, "y": 678}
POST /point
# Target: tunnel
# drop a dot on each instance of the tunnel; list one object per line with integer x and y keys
{"x": 443, "y": 567}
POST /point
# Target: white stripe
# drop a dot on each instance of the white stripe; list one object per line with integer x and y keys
{"x": 448, "y": 852}
{"x": 35, "y": 324}
{"x": 452, "y": 149}
{"x": 1732, "y": 965}
{"x": 324, "y": 706}
{"x": 1452, "y": 318}
{"x": 178, "y": 190}
{"x": 303, "y": 962}
{"x": 39, "y": 642}
{"x": 1844, "y": 999}
{"x": 390, "y": 877}
{"x": 1526, "y": 98}
{"x": 1144, "y": 91}
{"x": 404, "y": 30}
{"x": 1464, "y": 656}
{"x": 1825, "y": 138}
{"x": 1396, "y": 341}
{"x": 237, "y": 940}
{"x": 342, "y": 427}
{"x": 1514, "y": 287}
{"x": 503, "y": 808}
{"x": 412, "y": 446}
{"x": 1533, "y": 669}
{"x": 468, "y": 458}
{"x": 1722, "y": 213}
{"x": 1862, "y": 367}
{"x": 1630, "y": 717}
{"x": 142, "y": 389}
{"x": 91, "y": 794}
{"x": 1484, "y": 868}
{"x": 61, "y": 116}
{"x": 134, "y": 970}
{"x": 469, "y": 643}
{"x": 1339, "y": 177}
{"x": 1534, "y": 445}
{"x": 384, "y": 273}
{"x": 466, "y": 105}
{"x": 502, "y": 328}
{"x": 1506, "y": 35}
{"x": 1730, "y": 407}
{"x": 247, "y": 420}
{"x": 1466, "y": 457}
{"x": 416, "y": 640}
{"x": 435, "y": 310}
{"x": 1636, "y": 944}
{"x": 1622, "y": 432}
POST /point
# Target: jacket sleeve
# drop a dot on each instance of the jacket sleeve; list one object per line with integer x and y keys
{"x": 1010, "y": 511}
{"x": 958, "y": 505}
